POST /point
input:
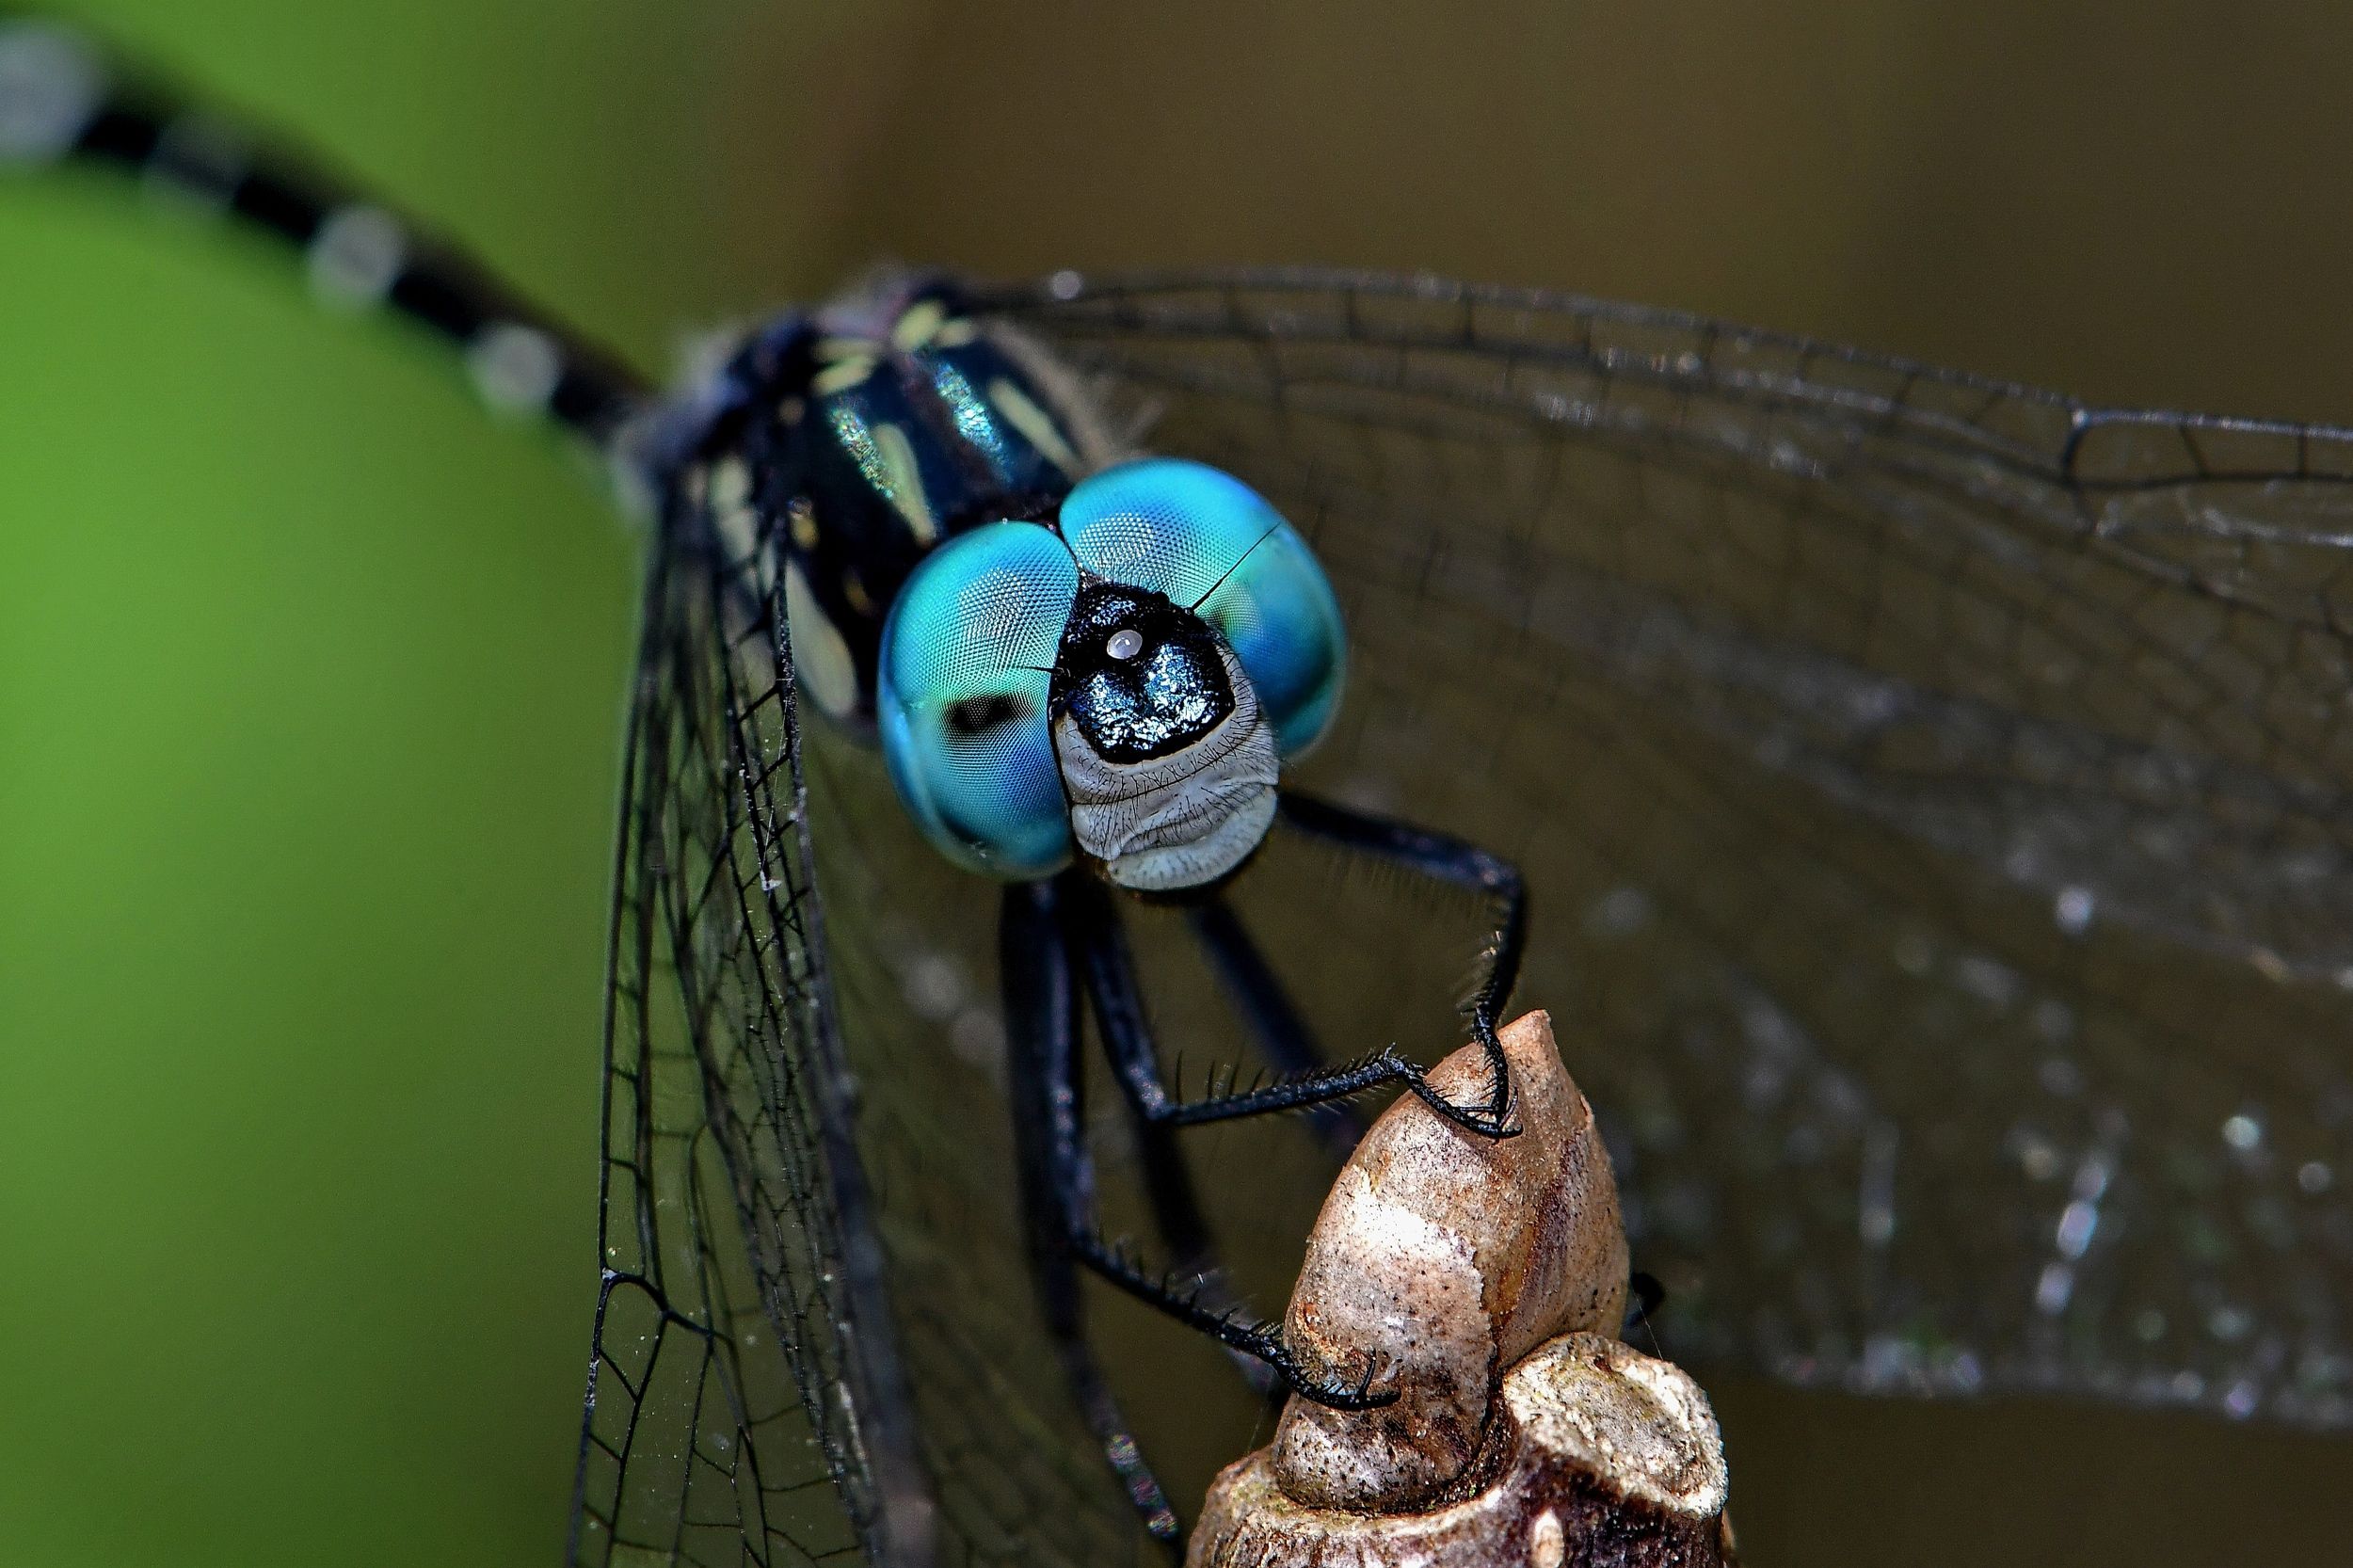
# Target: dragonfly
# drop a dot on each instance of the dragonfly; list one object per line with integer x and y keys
{"x": 1936, "y": 789}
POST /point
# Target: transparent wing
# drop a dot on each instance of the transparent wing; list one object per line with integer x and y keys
{"x": 1934, "y": 794}
{"x": 744, "y": 1406}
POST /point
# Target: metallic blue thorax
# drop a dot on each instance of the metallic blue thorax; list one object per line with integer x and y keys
{"x": 894, "y": 423}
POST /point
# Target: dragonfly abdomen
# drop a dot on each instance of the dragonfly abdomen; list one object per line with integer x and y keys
{"x": 60, "y": 102}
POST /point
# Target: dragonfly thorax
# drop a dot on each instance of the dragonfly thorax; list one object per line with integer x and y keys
{"x": 887, "y": 424}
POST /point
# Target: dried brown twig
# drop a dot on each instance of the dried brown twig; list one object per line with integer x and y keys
{"x": 1488, "y": 1279}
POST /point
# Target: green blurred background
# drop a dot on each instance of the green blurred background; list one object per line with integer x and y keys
{"x": 311, "y": 678}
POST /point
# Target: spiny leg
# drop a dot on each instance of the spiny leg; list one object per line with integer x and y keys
{"x": 1056, "y": 1180}
{"x": 1093, "y": 937}
{"x": 1431, "y": 855}
{"x": 1184, "y": 1231}
{"x": 1098, "y": 948}
{"x": 1458, "y": 864}
{"x": 1074, "y": 909}
{"x": 1283, "y": 1034}
{"x": 1098, "y": 944}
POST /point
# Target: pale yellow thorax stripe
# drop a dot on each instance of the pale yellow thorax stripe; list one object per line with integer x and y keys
{"x": 918, "y": 326}
{"x": 1035, "y": 424}
{"x": 896, "y": 454}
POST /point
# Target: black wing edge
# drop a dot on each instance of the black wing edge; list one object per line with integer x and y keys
{"x": 2050, "y": 435}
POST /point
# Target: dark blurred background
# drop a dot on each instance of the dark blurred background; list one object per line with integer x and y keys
{"x": 311, "y": 678}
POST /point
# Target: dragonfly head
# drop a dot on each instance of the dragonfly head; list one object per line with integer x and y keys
{"x": 1122, "y": 683}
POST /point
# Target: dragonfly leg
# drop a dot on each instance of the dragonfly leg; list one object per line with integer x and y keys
{"x": 1462, "y": 865}
{"x": 1193, "y": 1292}
{"x": 1057, "y": 1178}
{"x": 1094, "y": 936}
{"x": 1283, "y": 1034}
{"x": 1100, "y": 943}
{"x": 1176, "y": 1207}
{"x": 1103, "y": 954}
{"x": 1036, "y": 936}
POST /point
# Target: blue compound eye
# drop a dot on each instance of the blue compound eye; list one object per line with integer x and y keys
{"x": 962, "y": 699}
{"x": 1187, "y": 530}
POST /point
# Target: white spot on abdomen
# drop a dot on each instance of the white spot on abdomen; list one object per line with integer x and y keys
{"x": 356, "y": 256}
{"x": 515, "y": 367}
{"x": 49, "y": 89}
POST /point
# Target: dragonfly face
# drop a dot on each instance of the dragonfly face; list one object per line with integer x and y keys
{"x": 1168, "y": 760}
{"x": 1065, "y": 655}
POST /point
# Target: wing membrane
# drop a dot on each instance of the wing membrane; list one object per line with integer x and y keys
{"x": 740, "y": 1409}
{"x": 1936, "y": 796}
